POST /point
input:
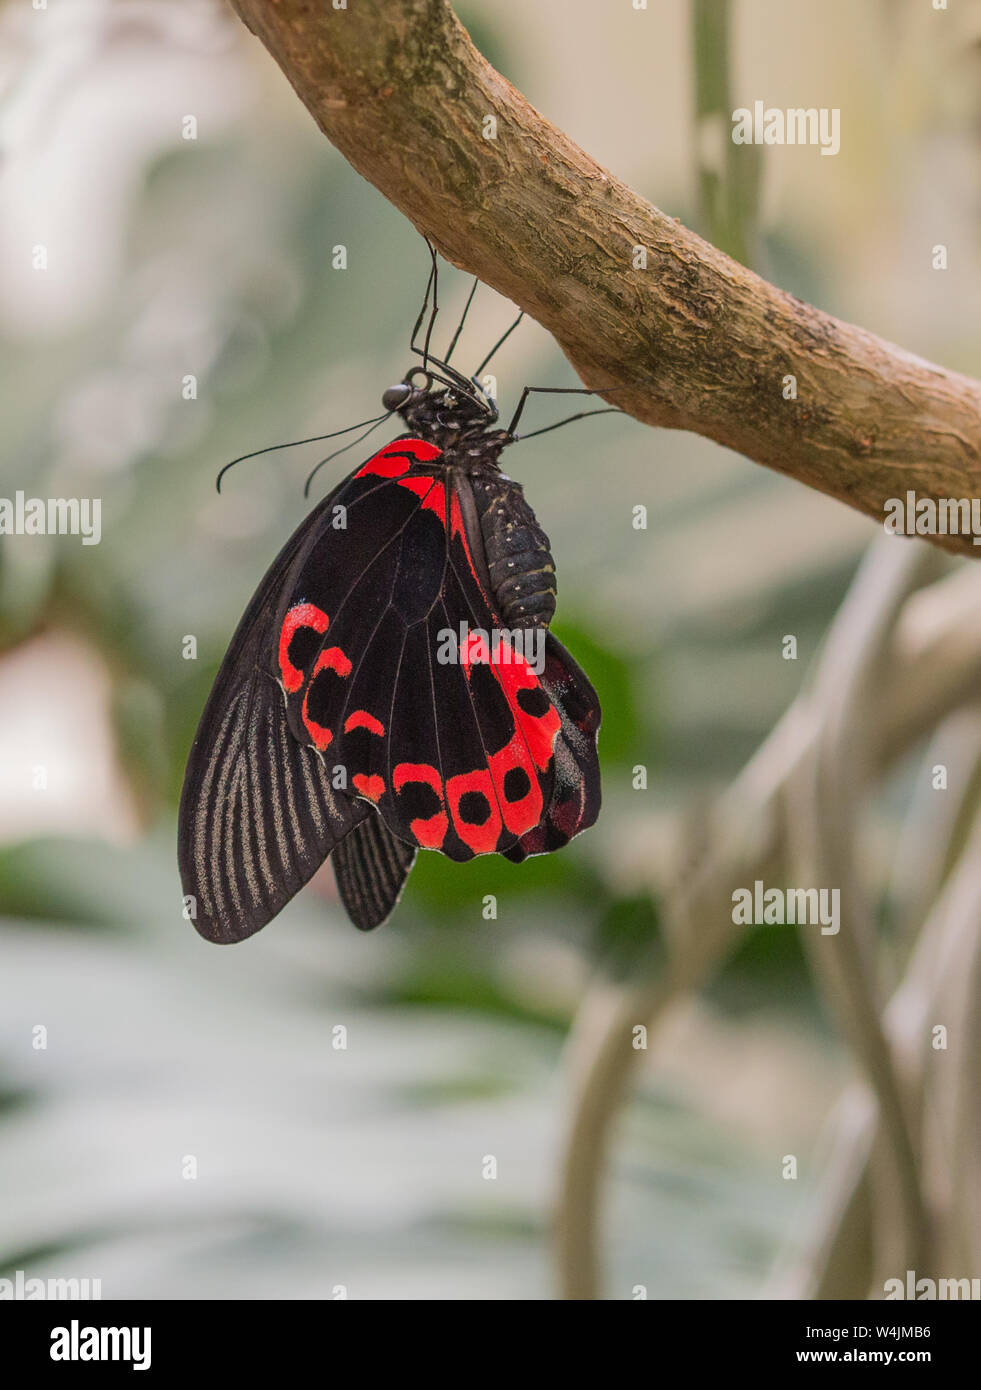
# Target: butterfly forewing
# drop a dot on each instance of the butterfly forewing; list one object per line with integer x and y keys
{"x": 258, "y": 813}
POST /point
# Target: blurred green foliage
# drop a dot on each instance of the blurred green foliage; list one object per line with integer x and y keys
{"x": 225, "y": 271}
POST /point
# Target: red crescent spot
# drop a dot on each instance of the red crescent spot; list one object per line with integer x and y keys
{"x": 361, "y": 719}
{"x": 333, "y": 659}
{"x": 371, "y": 787}
{"x": 417, "y": 772}
{"x": 320, "y": 735}
{"x": 431, "y": 831}
{"x": 300, "y": 615}
{"x": 482, "y": 839}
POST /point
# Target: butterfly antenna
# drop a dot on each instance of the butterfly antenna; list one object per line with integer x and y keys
{"x": 459, "y": 328}
{"x": 344, "y": 448}
{"x": 421, "y": 315}
{"x": 293, "y": 444}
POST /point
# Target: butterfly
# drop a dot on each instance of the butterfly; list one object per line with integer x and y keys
{"x": 393, "y": 684}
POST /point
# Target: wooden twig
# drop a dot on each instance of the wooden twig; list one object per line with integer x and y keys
{"x": 404, "y": 95}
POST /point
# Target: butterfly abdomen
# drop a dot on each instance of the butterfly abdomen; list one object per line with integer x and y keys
{"x": 519, "y": 559}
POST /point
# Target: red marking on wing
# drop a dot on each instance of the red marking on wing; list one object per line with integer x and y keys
{"x": 300, "y": 615}
{"x": 417, "y": 484}
{"x": 417, "y": 772}
{"x": 384, "y": 467}
{"x": 420, "y": 450}
{"x": 361, "y": 719}
{"x": 320, "y": 735}
{"x": 457, "y": 528}
{"x": 390, "y": 462}
{"x": 514, "y": 675}
{"x": 540, "y": 730}
{"x": 483, "y": 837}
{"x": 371, "y": 787}
{"x": 333, "y": 659}
{"x": 430, "y": 832}
{"x": 432, "y": 493}
{"x": 525, "y": 813}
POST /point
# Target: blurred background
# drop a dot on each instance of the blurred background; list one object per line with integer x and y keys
{"x": 186, "y": 1125}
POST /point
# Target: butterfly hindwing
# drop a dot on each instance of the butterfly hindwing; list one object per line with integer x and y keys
{"x": 575, "y": 801}
{"x": 371, "y": 866}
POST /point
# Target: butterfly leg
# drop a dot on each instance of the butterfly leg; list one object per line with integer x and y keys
{"x": 558, "y": 391}
{"x": 463, "y": 318}
{"x": 500, "y": 342}
{"x": 431, "y": 284}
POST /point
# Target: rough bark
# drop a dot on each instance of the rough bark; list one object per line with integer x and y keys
{"x": 703, "y": 343}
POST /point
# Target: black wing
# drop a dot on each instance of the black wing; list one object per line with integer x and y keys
{"x": 258, "y": 813}
{"x": 371, "y": 866}
{"x": 575, "y": 802}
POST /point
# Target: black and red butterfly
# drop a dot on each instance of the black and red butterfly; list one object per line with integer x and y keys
{"x": 337, "y": 726}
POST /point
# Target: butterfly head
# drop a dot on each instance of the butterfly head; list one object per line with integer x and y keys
{"x": 449, "y": 412}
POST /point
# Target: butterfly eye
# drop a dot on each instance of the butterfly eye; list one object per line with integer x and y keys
{"x": 395, "y": 397}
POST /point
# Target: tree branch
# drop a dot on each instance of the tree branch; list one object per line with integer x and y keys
{"x": 403, "y": 94}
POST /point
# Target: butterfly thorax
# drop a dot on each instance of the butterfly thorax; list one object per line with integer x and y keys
{"x": 458, "y": 425}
